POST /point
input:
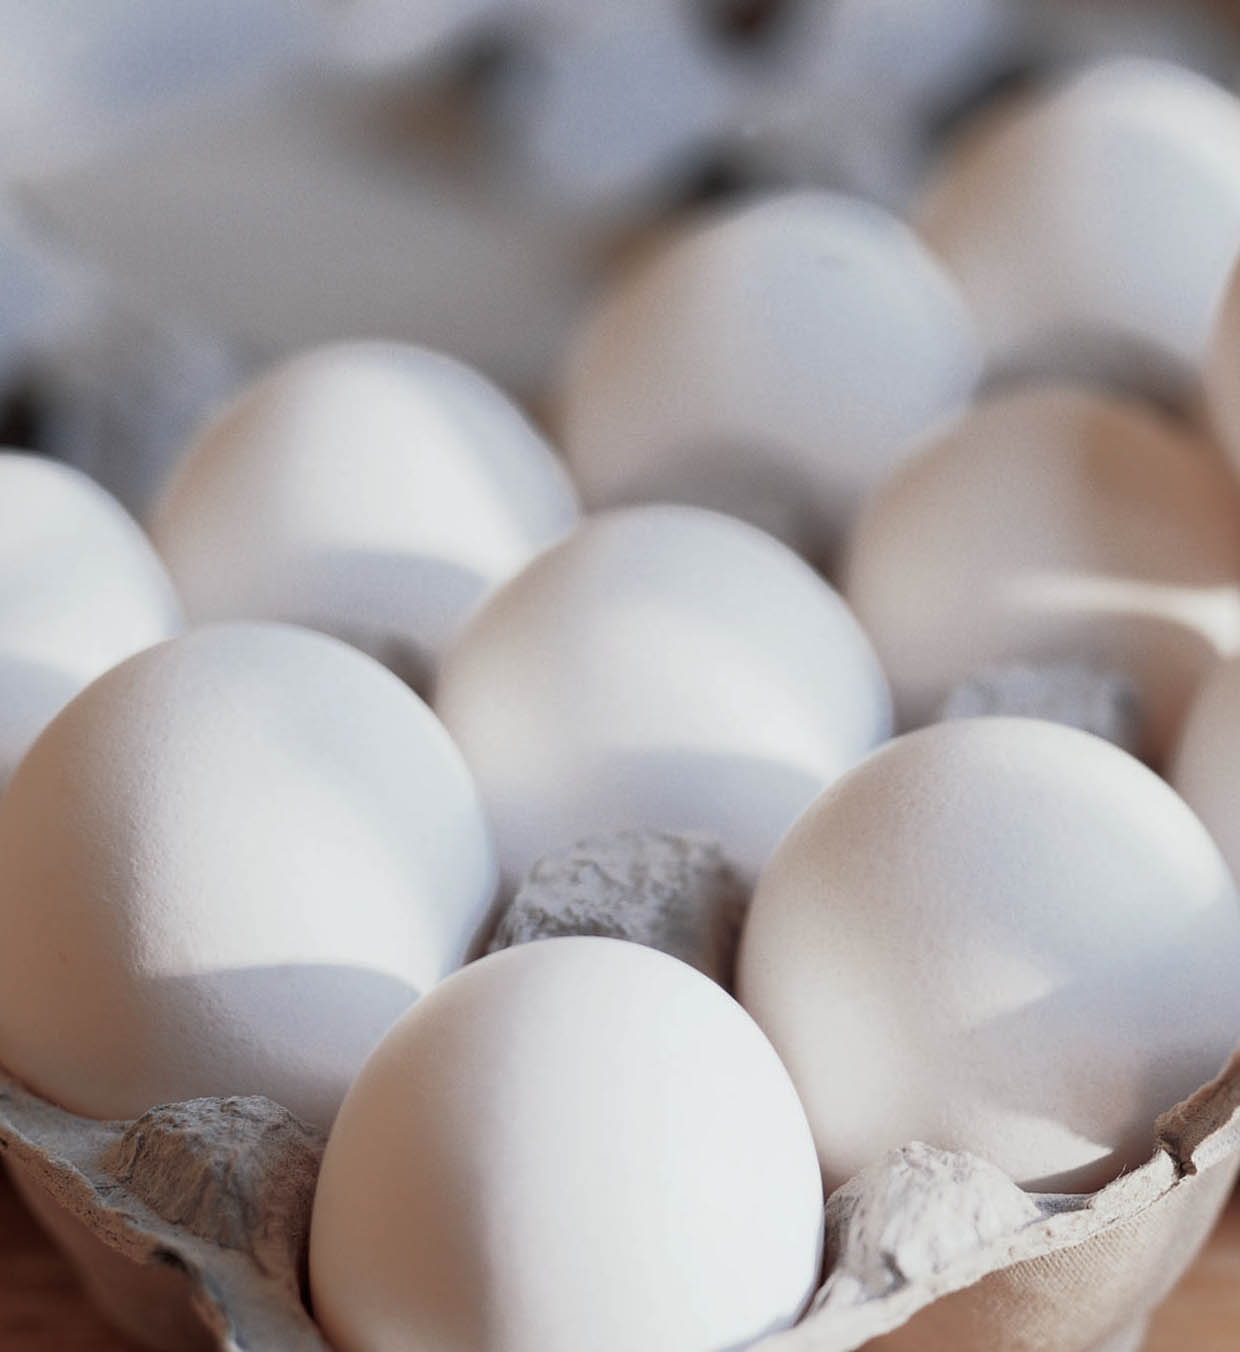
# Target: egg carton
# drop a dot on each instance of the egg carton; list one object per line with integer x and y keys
{"x": 217, "y": 1193}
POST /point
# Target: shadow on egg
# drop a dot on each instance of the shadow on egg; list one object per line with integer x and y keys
{"x": 1090, "y": 1064}
{"x": 742, "y": 479}
{"x": 746, "y": 802}
{"x": 300, "y": 1030}
{"x": 1119, "y": 363}
{"x": 399, "y": 608}
{"x": 31, "y": 694}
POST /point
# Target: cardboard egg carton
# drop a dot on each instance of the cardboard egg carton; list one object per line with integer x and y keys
{"x": 219, "y": 1192}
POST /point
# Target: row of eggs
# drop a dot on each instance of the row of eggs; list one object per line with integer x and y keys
{"x": 238, "y": 857}
{"x": 651, "y": 658}
{"x": 582, "y": 1141}
{"x": 235, "y": 858}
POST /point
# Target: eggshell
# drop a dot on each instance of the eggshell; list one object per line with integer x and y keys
{"x": 1222, "y": 376}
{"x": 773, "y": 362}
{"x": 662, "y": 667}
{"x": 1001, "y": 936}
{"x": 230, "y": 864}
{"x": 80, "y": 589}
{"x": 1052, "y": 525}
{"x": 1107, "y": 208}
{"x": 373, "y": 490}
{"x": 578, "y": 1143}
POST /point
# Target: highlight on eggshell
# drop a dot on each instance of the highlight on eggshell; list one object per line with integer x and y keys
{"x": 1000, "y": 936}
{"x": 1096, "y": 223}
{"x": 376, "y": 491}
{"x": 663, "y": 666}
{"x": 1053, "y": 524}
{"x": 773, "y": 362}
{"x": 229, "y": 865}
{"x": 577, "y": 1143}
{"x": 81, "y": 588}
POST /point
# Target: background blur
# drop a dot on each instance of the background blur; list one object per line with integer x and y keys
{"x": 189, "y": 190}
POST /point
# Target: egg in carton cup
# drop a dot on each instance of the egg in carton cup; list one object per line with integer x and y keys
{"x": 926, "y": 1248}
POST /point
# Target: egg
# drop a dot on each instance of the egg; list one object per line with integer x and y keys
{"x": 229, "y": 865}
{"x": 1103, "y": 214}
{"x": 1205, "y": 769}
{"x": 375, "y": 491}
{"x": 578, "y": 1143}
{"x": 80, "y": 589}
{"x": 773, "y": 362}
{"x": 999, "y": 936}
{"x": 1222, "y": 373}
{"x": 666, "y": 667}
{"x": 1052, "y": 525}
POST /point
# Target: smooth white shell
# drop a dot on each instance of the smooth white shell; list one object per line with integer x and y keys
{"x": 80, "y": 589}
{"x": 773, "y": 363}
{"x": 1106, "y": 210}
{"x": 665, "y": 667}
{"x": 1001, "y": 936}
{"x": 373, "y": 490}
{"x": 230, "y": 864}
{"x": 579, "y": 1143}
{"x": 1052, "y": 525}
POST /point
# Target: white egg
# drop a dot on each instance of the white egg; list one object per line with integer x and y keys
{"x": 1106, "y": 211}
{"x": 1052, "y": 525}
{"x": 774, "y": 363}
{"x": 1206, "y": 766}
{"x": 1222, "y": 375}
{"x": 664, "y": 667}
{"x": 1001, "y": 936}
{"x": 229, "y": 865}
{"x": 579, "y": 1143}
{"x": 373, "y": 490}
{"x": 80, "y": 589}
